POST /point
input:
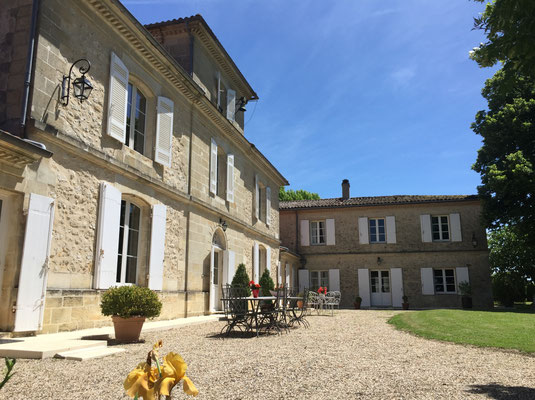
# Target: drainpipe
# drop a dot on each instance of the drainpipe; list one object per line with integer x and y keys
{"x": 29, "y": 69}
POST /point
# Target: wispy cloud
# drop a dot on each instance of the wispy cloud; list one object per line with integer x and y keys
{"x": 402, "y": 76}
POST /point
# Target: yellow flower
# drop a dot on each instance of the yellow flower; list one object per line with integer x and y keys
{"x": 141, "y": 381}
{"x": 173, "y": 370}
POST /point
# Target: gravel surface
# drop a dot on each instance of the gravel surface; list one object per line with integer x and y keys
{"x": 353, "y": 355}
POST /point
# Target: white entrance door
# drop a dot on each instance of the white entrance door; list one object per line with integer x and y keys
{"x": 380, "y": 288}
{"x": 216, "y": 270}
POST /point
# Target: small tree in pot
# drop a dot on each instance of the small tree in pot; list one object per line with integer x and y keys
{"x": 466, "y": 292}
{"x": 358, "y": 300}
{"x": 128, "y": 307}
{"x": 405, "y": 303}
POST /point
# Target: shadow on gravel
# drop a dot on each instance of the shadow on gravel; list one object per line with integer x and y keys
{"x": 232, "y": 335}
{"x": 500, "y": 392}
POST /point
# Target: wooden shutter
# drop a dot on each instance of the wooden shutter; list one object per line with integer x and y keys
{"x": 363, "y": 231}
{"x": 268, "y": 259}
{"x": 279, "y": 273}
{"x": 231, "y": 104}
{"x": 364, "y": 286}
{"x": 462, "y": 275}
{"x": 213, "y": 167}
{"x": 256, "y": 197}
{"x": 455, "y": 226}
{"x": 34, "y": 264}
{"x": 330, "y": 232}
{"x": 164, "y": 131}
{"x": 256, "y": 263}
{"x": 425, "y": 225}
{"x": 157, "y": 246}
{"x": 391, "y": 229}
{"x": 397, "y": 286}
{"x": 428, "y": 286}
{"x": 287, "y": 270}
{"x": 268, "y": 206}
{"x": 303, "y": 279}
{"x": 107, "y": 236}
{"x": 117, "y": 99}
{"x": 304, "y": 230}
{"x": 334, "y": 280}
{"x": 229, "y": 261}
{"x": 230, "y": 178}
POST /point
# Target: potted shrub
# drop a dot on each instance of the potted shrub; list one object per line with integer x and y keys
{"x": 405, "y": 303}
{"x": 128, "y": 307}
{"x": 358, "y": 300}
{"x": 241, "y": 279}
{"x": 466, "y": 292}
{"x": 300, "y": 302}
{"x": 266, "y": 285}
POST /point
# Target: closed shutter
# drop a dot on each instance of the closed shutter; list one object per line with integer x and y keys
{"x": 231, "y": 104}
{"x": 391, "y": 230}
{"x": 462, "y": 275}
{"x": 34, "y": 264}
{"x": 303, "y": 279}
{"x": 455, "y": 225}
{"x": 364, "y": 286}
{"x": 268, "y": 259}
{"x": 397, "y": 286}
{"x": 330, "y": 232}
{"x": 230, "y": 178}
{"x": 428, "y": 286}
{"x": 213, "y": 167}
{"x": 229, "y": 261}
{"x": 425, "y": 226}
{"x": 304, "y": 230}
{"x": 256, "y": 262}
{"x": 164, "y": 131}
{"x": 157, "y": 246}
{"x": 117, "y": 99}
{"x": 107, "y": 236}
{"x": 334, "y": 280}
{"x": 363, "y": 231}
{"x": 256, "y": 197}
{"x": 268, "y": 206}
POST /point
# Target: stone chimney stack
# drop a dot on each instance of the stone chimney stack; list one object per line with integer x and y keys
{"x": 345, "y": 189}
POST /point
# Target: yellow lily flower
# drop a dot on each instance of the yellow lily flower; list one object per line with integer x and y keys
{"x": 174, "y": 370}
{"x": 141, "y": 381}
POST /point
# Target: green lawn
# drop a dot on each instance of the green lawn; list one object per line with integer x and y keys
{"x": 514, "y": 329}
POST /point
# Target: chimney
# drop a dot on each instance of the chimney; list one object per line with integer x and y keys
{"x": 345, "y": 189}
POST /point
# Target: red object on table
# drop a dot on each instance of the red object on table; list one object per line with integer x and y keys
{"x": 255, "y": 292}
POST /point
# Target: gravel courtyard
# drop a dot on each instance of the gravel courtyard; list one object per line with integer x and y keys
{"x": 353, "y": 355}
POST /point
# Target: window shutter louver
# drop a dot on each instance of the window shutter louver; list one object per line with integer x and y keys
{"x": 425, "y": 225}
{"x": 428, "y": 286}
{"x": 256, "y": 263}
{"x": 157, "y": 246}
{"x": 391, "y": 230}
{"x": 363, "y": 231}
{"x": 257, "y": 197}
{"x": 305, "y": 232}
{"x": 455, "y": 224}
{"x": 364, "y": 286}
{"x": 230, "y": 178}
{"x": 331, "y": 233}
{"x": 213, "y": 166}
{"x": 397, "y": 286}
{"x": 303, "y": 278}
{"x": 268, "y": 206}
{"x": 117, "y": 99}
{"x": 334, "y": 280}
{"x": 164, "y": 131}
{"x": 231, "y": 104}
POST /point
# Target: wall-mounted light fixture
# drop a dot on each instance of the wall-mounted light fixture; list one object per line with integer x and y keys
{"x": 379, "y": 260}
{"x": 82, "y": 87}
{"x": 474, "y": 240}
{"x": 223, "y": 224}
{"x": 242, "y": 101}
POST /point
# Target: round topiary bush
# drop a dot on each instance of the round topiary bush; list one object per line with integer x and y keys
{"x": 130, "y": 301}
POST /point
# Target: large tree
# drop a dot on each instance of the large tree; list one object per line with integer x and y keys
{"x": 509, "y": 253}
{"x": 293, "y": 195}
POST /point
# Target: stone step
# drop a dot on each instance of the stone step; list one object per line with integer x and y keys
{"x": 89, "y": 353}
{"x": 44, "y": 348}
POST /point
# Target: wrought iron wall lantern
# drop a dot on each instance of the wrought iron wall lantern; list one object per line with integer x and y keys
{"x": 474, "y": 240}
{"x": 82, "y": 86}
{"x": 241, "y": 104}
{"x": 223, "y": 224}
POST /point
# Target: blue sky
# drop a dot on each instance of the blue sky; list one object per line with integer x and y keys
{"x": 379, "y": 92}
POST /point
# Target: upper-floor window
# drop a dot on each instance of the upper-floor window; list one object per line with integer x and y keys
{"x": 377, "y": 230}
{"x": 440, "y": 227}
{"x": 262, "y": 201}
{"x": 221, "y": 172}
{"x": 135, "y": 119}
{"x": 444, "y": 280}
{"x": 317, "y": 232}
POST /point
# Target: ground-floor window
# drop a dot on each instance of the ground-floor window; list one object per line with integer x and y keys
{"x": 380, "y": 281}
{"x": 319, "y": 279}
{"x": 128, "y": 242}
{"x": 444, "y": 280}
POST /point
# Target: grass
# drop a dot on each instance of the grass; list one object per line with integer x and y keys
{"x": 506, "y": 329}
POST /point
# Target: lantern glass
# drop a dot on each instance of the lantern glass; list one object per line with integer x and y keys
{"x": 82, "y": 88}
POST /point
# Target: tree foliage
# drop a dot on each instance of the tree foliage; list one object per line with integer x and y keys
{"x": 293, "y": 195}
{"x": 241, "y": 279}
{"x": 510, "y": 253}
{"x": 266, "y": 283}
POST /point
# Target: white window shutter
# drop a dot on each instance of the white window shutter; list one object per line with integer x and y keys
{"x": 305, "y": 232}
{"x": 268, "y": 259}
{"x": 391, "y": 229}
{"x": 117, "y": 99}
{"x": 331, "y": 233}
{"x": 334, "y": 280}
{"x": 256, "y": 262}
{"x": 230, "y": 178}
{"x": 164, "y": 131}
{"x": 107, "y": 236}
{"x": 397, "y": 286}
{"x": 268, "y": 206}
{"x": 256, "y": 197}
{"x": 231, "y": 104}
{"x": 213, "y": 166}
{"x": 231, "y": 265}
{"x": 364, "y": 286}
{"x": 363, "y": 231}
{"x": 462, "y": 275}
{"x": 157, "y": 246}
{"x": 428, "y": 286}
{"x": 34, "y": 264}
{"x": 279, "y": 273}
{"x": 303, "y": 279}
{"x": 425, "y": 225}
{"x": 287, "y": 270}
{"x": 455, "y": 225}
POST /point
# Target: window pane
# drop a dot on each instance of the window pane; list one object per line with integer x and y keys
{"x": 139, "y": 142}
{"x": 382, "y": 237}
{"x": 128, "y": 113}
{"x": 372, "y": 223}
{"x": 373, "y": 238}
{"x": 132, "y": 243}
{"x": 215, "y": 279}
{"x": 449, "y": 272}
{"x": 445, "y": 236}
{"x": 131, "y": 263}
{"x": 437, "y": 272}
{"x": 436, "y": 236}
{"x": 374, "y": 274}
{"x": 381, "y": 229}
{"x": 375, "y": 284}
{"x": 135, "y": 214}
{"x": 444, "y": 220}
{"x": 381, "y": 223}
{"x": 439, "y": 288}
{"x": 119, "y": 266}
{"x": 450, "y": 288}
{"x": 434, "y": 220}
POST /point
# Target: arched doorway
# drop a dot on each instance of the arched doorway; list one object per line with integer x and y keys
{"x": 219, "y": 245}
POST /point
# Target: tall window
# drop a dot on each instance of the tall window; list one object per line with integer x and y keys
{"x": 444, "y": 280}
{"x": 221, "y": 173}
{"x": 128, "y": 243}
{"x": 135, "y": 119}
{"x": 377, "y": 230}
{"x": 317, "y": 232}
{"x": 319, "y": 278}
{"x": 440, "y": 227}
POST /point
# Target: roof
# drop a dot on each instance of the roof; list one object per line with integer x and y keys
{"x": 373, "y": 201}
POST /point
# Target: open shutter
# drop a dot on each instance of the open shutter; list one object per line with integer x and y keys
{"x": 229, "y": 261}
{"x": 107, "y": 236}
{"x": 230, "y": 178}
{"x": 279, "y": 273}
{"x": 268, "y": 206}
{"x": 268, "y": 259}
{"x": 34, "y": 266}
{"x": 256, "y": 263}
{"x": 303, "y": 279}
{"x": 117, "y": 99}
{"x": 428, "y": 286}
{"x": 425, "y": 225}
{"x": 213, "y": 166}
{"x": 391, "y": 230}
{"x": 305, "y": 232}
{"x": 363, "y": 231}
{"x": 330, "y": 232}
{"x": 231, "y": 104}
{"x": 364, "y": 286}
{"x": 256, "y": 198}
{"x": 164, "y": 131}
{"x": 287, "y": 270}
{"x": 157, "y": 246}
{"x": 334, "y": 280}
{"x": 462, "y": 275}
{"x": 455, "y": 225}
{"x": 397, "y": 286}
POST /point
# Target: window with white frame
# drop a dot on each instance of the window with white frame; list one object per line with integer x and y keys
{"x": 444, "y": 280}
{"x": 319, "y": 279}
{"x": 440, "y": 227}
{"x": 221, "y": 173}
{"x": 377, "y": 230}
{"x": 129, "y": 226}
{"x": 317, "y": 232}
{"x": 135, "y": 119}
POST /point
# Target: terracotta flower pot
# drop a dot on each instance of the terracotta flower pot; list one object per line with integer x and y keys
{"x": 405, "y": 306}
{"x": 255, "y": 292}
{"x": 357, "y": 305}
{"x": 127, "y": 329}
{"x": 299, "y": 303}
